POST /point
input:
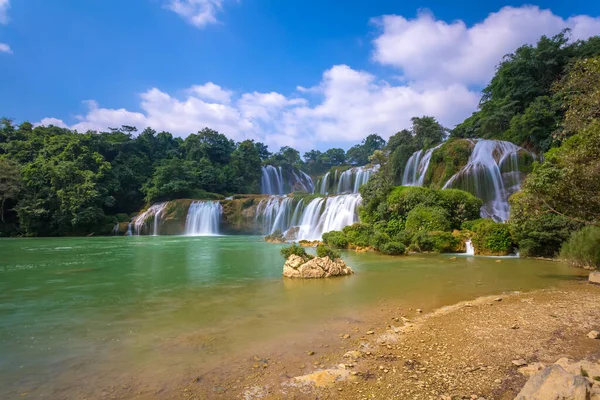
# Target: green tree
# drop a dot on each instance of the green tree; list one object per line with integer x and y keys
{"x": 10, "y": 183}
{"x": 359, "y": 154}
{"x": 246, "y": 162}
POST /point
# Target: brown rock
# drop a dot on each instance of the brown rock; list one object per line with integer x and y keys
{"x": 594, "y": 277}
{"x": 318, "y": 267}
{"x": 554, "y": 383}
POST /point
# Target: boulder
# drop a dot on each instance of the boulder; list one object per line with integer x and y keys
{"x": 555, "y": 383}
{"x": 594, "y": 277}
{"x": 292, "y": 233}
{"x": 318, "y": 267}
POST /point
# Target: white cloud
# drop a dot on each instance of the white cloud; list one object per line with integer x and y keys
{"x": 4, "y": 6}
{"x": 353, "y": 104}
{"x": 210, "y": 91}
{"x": 4, "y": 48}
{"x": 199, "y": 13}
{"x": 52, "y": 121}
{"x": 429, "y": 49}
{"x": 438, "y": 62}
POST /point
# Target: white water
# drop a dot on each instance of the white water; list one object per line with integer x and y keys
{"x": 349, "y": 181}
{"x": 203, "y": 218}
{"x": 470, "y": 249}
{"x": 328, "y": 214}
{"x": 271, "y": 181}
{"x": 154, "y": 211}
{"x": 416, "y": 167}
{"x": 492, "y": 174}
{"x": 274, "y": 213}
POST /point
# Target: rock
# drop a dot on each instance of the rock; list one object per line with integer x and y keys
{"x": 594, "y": 335}
{"x": 419, "y": 311}
{"x": 519, "y": 363}
{"x": 353, "y": 354}
{"x": 318, "y": 267}
{"x": 370, "y": 332}
{"x": 325, "y": 378}
{"x": 498, "y": 299}
{"x": 346, "y": 336}
{"x": 532, "y": 369}
{"x": 594, "y": 277}
{"x": 554, "y": 383}
{"x": 292, "y": 233}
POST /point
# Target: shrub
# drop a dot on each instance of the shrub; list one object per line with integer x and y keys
{"x": 444, "y": 242}
{"x": 297, "y": 250}
{"x": 422, "y": 241}
{"x": 461, "y": 206}
{"x": 336, "y": 239}
{"x": 491, "y": 238}
{"x": 122, "y": 217}
{"x": 379, "y": 239}
{"x": 393, "y": 249}
{"x": 583, "y": 248}
{"x": 359, "y": 234}
{"x": 537, "y": 234}
{"x": 276, "y": 236}
{"x": 423, "y": 218}
{"x": 325, "y": 251}
{"x": 403, "y": 237}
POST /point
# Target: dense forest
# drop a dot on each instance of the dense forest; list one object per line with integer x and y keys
{"x": 543, "y": 97}
{"x": 54, "y": 181}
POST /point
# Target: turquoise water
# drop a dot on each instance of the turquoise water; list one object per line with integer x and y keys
{"x": 72, "y": 306}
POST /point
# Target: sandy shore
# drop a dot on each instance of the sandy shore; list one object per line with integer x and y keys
{"x": 461, "y": 351}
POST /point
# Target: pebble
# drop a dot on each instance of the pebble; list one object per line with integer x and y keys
{"x": 346, "y": 336}
{"x": 519, "y": 363}
{"x": 310, "y": 353}
{"x": 498, "y": 299}
{"x": 370, "y": 332}
{"x": 419, "y": 310}
{"x": 594, "y": 335}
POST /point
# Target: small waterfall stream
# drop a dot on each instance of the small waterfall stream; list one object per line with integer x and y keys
{"x": 416, "y": 167}
{"x": 154, "y": 212}
{"x": 271, "y": 181}
{"x": 203, "y": 218}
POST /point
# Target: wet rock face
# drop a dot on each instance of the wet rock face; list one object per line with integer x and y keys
{"x": 318, "y": 267}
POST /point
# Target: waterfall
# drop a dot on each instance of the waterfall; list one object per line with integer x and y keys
{"x": 154, "y": 211}
{"x": 470, "y": 249}
{"x": 203, "y": 218}
{"x": 352, "y": 179}
{"x": 492, "y": 174}
{"x": 271, "y": 181}
{"x": 274, "y": 213}
{"x": 328, "y": 214}
{"x": 129, "y": 232}
{"x": 324, "y": 184}
{"x": 416, "y": 167}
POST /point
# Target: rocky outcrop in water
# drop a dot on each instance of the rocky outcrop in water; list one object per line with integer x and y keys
{"x": 318, "y": 267}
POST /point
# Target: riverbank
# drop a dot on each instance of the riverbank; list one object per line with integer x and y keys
{"x": 465, "y": 350}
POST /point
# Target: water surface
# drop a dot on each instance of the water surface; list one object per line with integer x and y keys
{"x": 72, "y": 306}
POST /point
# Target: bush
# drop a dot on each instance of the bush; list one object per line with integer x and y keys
{"x": 583, "y": 248}
{"x": 422, "y": 241}
{"x": 336, "y": 239}
{"x": 492, "y": 238}
{"x": 423, "y": 218}
{"x": 444, "y": 242}
{"x": 122, "y": 217}
{"x": 461, "y": 206}
{"x": 276, "y": 236}
{"x": 324, "y": 251}
{"x": 297, "y": 250}
{"x": 393, "y": 249}
{"x": 359, "y": 234}
{"x": 379, "y": 239}
{"x": 537, "y": 234}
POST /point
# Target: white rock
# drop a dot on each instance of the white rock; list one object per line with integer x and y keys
{"x": 554, "y": 383}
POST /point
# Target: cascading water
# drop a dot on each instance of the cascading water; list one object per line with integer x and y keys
{"x": 492, "y": 174}
{"x": 203, "y": 218}
{"x": 328, "y": 214}
{"x": 274, "y": 213}
{"x": 416, "y": 167}
{"x": 470, "y": 249}
{"x": 349, "y": 181}
{"x": 154, "y": 211}
{"x": 271, "y": 181}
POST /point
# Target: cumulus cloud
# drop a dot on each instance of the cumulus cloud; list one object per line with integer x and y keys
{"x": 441, "y": 69}
{"x": 428, "y": 49}
{"x": 199, "y": 13}
{"x": 352, "y": 105}
{"x": 4, "y": 48}
{"x": 4, "y": 6}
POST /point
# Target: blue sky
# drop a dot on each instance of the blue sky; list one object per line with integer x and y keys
{"x": 303, "y": 73}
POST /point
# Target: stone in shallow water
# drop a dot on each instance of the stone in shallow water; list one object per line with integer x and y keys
{"x": 318, "y": 267}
